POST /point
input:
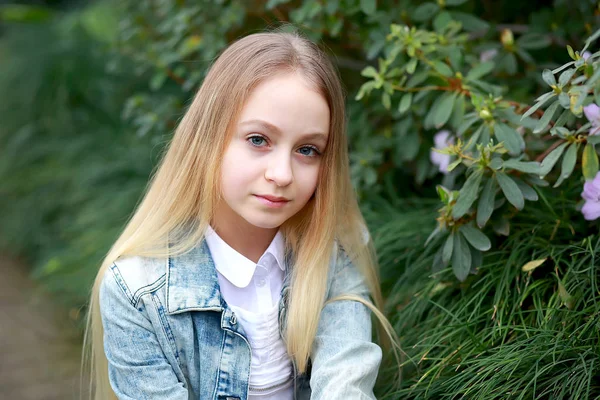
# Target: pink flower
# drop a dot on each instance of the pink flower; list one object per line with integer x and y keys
{"x": 488, "y": 55}
{"x": 441, "y": 140}
{"x": 592, "y": 113}
{"x": 586, "y": 55}
{"x": 591, "y": 195}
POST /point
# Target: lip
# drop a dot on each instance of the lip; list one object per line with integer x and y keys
{"x": 273, "y": 198}
{"x": 272, "y": 201}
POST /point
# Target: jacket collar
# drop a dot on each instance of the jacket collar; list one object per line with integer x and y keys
{"x": 192, "y": 282}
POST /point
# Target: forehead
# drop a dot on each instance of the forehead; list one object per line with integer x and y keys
{"x": 290, "y": 103}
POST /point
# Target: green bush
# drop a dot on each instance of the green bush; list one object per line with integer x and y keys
{"x": 487, "y": 262}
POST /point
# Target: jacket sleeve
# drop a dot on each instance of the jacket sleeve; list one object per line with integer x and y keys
{"x": 345, "y": 361}
{"x": 137, "y": 366}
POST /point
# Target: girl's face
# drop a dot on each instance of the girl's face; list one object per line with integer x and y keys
{"x": 271, "y": 166}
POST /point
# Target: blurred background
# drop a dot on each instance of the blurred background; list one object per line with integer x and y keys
{"x": 91, "y": 91}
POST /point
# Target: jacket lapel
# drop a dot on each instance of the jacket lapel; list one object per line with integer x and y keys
{"x": 192, "y": 283}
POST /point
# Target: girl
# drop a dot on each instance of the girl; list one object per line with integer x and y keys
{"x": 246, "y": 271}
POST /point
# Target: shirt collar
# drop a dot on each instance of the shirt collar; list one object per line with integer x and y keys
{"x": 236, "y": 268}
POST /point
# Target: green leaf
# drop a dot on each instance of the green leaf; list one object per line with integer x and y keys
{"x": 455, "y": 2}
{"x": 458, "y": 112}
{"x": 438, "y": 264}
{"x": 469, "y": 120}
{"x": 448, "y": 249}
{"x": 476, "y": 238}
{"x": 565, "y": 297}
{"x": 405, "y": 103}
{"x": 441, "y": 21}
{"x": 511, "y": 138}
{"x": 508, "y": 62}
{"x": 368, "y": 6}
{"x": 461, "y": 258}
{"x": 386, "y": 100}
{"x": 496, "y": 163}
{"x": 525, "y": 56}
{"x": 411, "y": 66}
{"x": 474, "y": 139}
{"x": 443, "y": 108}
{"x": 365, "y": 89}
{"x": 566, "y": 76}
{"x": 531, "y": 265}
{"x": 418, "y": 78}
{"x": 536, "y": 181}
{"x": 407, "y": 144}
{"x": 571, "y": 52}
{"x": 548, "y": 114}
{"x": 425, "y": 12}
{"x": 369, "y": 72}
{"x": 480, "y": 70}
{"x": 594, "y": 77}
{"x": 540, "y": 102}
{"x": 528, "y": 192}
{"x": 443, "y": 193}
{"x": 158, "y": 80}
{"x": 563, "y": 118}
{"x": 454, "y": 164}
{"x": 470, "y": 22}
{"x": 568, "y": 163}
{"x": 501, "y": 226}
{"x": 511, "y": 190}
{"x": 442, "y": 68}
{"x": 548, "y": 77}
{"x": 590, "y": 162}
{"x": 476, "y": 258}
{"x": 551, "y": 159}
{"x": 529, "y": 167}
{"x": 433, "y": 235}
{"x": 593, "y": 139}
{"x": 534, "y": 41}
{"x": 467, "y": 195}
{"x": 564, "y": 100}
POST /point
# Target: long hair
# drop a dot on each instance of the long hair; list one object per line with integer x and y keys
{"x": 182, "y": 195}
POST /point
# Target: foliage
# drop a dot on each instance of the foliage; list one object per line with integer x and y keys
{"x": 498, "y": 89}
{"x": 69, "y": 172}
{"x": 499, "y": 146}
{"x": 511, "y": 333}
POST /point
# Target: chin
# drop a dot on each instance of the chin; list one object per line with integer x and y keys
{"x": 266, "y": 223}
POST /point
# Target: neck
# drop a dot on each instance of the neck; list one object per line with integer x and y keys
{"x": 248, "y": 240}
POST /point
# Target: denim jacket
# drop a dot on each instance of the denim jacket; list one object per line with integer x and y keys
{"x": 168, "y": 334}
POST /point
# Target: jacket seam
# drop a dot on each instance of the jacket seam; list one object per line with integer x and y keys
{"x": 165, "y": 325}
{"x": 154, "y": 286}
{"x": 217, "y": 377}
{"x": 121, "y": 282}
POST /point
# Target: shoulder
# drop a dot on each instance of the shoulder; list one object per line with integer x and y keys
{"x": 340, "y": 258}
{"x": 135, "y": 276}
{"x": 344, "y": 277}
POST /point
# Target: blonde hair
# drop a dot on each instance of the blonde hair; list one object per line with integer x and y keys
{"x": 190, "y": 170}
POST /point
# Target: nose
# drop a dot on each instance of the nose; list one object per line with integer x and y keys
{"x": 279, "y": 170}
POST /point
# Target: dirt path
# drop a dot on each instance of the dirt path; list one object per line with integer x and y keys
{"x": 39, "y": 348}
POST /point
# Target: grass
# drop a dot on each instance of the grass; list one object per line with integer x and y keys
{"x": 503, "y": 333}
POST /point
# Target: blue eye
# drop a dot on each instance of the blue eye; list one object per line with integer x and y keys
{"x": 257, "y": 141}
{"x": 309, "y": 151}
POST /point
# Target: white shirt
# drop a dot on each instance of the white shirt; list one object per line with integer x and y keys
{"x": 253, "y": 292}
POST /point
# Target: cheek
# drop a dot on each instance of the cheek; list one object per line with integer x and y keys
{"x": 307, "y": 181}
{"x": 232, "y": 175}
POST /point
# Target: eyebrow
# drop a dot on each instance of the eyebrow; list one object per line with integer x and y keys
{"x": 269, "y": 126}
